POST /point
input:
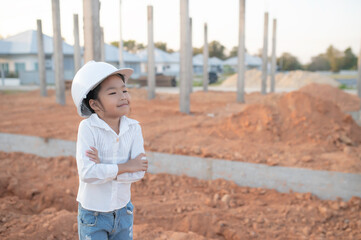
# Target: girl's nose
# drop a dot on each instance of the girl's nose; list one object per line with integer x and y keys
{"x": 123, "y": 95}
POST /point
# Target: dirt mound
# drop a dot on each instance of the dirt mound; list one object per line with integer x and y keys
{"x": 347, "y": 102}
{"x": 297, "y": 117}
{"x": 292, "y": 79}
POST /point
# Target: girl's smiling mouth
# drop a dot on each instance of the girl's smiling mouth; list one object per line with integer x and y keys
{"x": 122, "y": 105}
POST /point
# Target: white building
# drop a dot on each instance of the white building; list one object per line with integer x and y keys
{"x": 130, "y": 60}
{"x": 251, "y": 62}
{"x": 19, "y": 54}
{"x": 19, "y": 58}
{"x": 165, "y": 63}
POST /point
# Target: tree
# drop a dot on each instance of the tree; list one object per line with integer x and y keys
{"x": 319, "y": 63}
{"x": 129, "y": 45}
{"x": 234, "y": 51}
{"x": 288, "y": 62}
{"x": 197, "y": 51}
{"x": 115, "y": 43}
{"x": 140, "y": 46}
{"x": 334, "y": 56}
{"x": 163, "y": 46}
{"x": 349, "y": 60}
{"x": 216, "y": 49}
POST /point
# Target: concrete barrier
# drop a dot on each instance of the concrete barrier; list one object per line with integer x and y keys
{"x": 323, "y": 184}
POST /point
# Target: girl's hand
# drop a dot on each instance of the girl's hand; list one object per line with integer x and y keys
{"x": 93, "y": 155}
{"x": 140, "y": 163}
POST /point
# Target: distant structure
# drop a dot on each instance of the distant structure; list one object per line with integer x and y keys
{"x": 92, "y": 35}
{"x": 58, "y": 54}
{"x": 359, "y": 75}
{"x": 150, "y": 48}
{"x": 241, "y": 52}
{"x": 41, "y": 59}
{"x": 205, "y": 59}
{"x": 77, "y": 52}
{"x": 184, "y": 101}
{"x": 121, "y": 58}
{"x": 264, "y": 55}
{"x": 190, "y": 55}
{"x": 273, "y": 61}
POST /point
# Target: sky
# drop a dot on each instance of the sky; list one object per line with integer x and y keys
{"x": 305, "y": 28}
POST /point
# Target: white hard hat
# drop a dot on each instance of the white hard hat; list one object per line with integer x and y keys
{"x": 88, "y": 77}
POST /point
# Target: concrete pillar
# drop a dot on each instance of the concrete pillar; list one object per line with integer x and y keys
{"x": 264, "y": 55}
{"x": 241, "y": 52}
{"x": 205, "y": 59}
{"x": 77, "y": 56}
{"x": 190, "y": 57}
{"x": 102, "y": 45}
{"x": 151, "y": 60}
{"x": 184, "y": 101}
{"x": 121, "y": 57}
{"x": 58, "y": 54}
{"x": 359, "y": 75}
{"x": 273, "y": 62}
{"x": 41, "y": 59}
{"x": 92, "y": 45}
{"x": 2, "y": 74}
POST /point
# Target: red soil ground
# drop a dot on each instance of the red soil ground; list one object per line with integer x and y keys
{"x": 304, "y": 128}
{"x": 37, "y": 201}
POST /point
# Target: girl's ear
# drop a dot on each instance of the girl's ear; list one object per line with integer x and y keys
{"x": 94, "y": 105}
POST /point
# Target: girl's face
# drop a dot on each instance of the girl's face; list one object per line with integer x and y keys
{"x": 113, "y": 98}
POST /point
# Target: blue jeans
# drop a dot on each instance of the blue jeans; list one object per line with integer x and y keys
{"x": 117, "y": 224}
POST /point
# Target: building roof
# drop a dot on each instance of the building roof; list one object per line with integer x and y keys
{"x": 250, "y": 60}
{"x": 26, "y": 43}
{"x": 112, "y": 55}
{"x": 213, "y": 61}
{"x": 159, "y": 55}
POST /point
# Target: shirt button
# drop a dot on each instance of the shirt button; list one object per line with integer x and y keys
{"x": 117, "y": 139}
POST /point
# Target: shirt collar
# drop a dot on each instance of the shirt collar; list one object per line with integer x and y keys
{"x": 125, "y": 122}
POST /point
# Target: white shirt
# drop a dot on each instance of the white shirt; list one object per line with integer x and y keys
{"x": 100, "y": 189}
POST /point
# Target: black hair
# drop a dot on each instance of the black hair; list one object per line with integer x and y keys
{"x": 93, "y": 94}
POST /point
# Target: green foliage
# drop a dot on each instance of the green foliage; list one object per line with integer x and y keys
{"x": 115, "y": 43}
{"x": 216, "y": 49}
{"x": 333, "y": 56}
{"x": 349, "y": 60}
{"x": 319, "y": 63}
{"x": 163, "y": 46}
{"x": 333, "y": 60}
{"x": 197, "y": 51}
{"x": 130, "y": 46}
{"x": 343, "y": 86}
{"x": 234, "y": 52}
{"x": 288, "y": 62}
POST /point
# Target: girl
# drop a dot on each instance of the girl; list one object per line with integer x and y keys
{"x": 106, "y": 173}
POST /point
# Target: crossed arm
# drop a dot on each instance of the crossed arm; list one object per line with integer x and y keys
{"x": 140, "y": 163}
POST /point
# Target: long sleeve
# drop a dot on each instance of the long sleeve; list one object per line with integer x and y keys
{"x": 136, "y": 149}
{"x": 90, "y": 172}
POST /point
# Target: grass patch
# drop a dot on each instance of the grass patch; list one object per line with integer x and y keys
{"x": 345, "y": 87}
{"x": 9, "y": 92}
{"x": 342, "y": 76}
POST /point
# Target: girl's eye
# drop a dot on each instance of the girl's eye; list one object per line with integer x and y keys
{"x": 112, "y": 93}
{"x": 125, "y": 91}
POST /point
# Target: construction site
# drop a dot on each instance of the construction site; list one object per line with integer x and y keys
{"x": 262, "y": 154}
{"x": 304, "y": 129}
